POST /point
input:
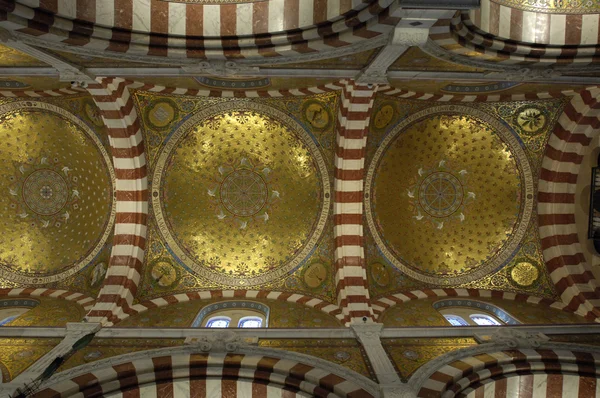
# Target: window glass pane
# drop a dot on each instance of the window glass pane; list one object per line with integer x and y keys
{"x": 484, "y": 320}
{"x": 7, "y": 320}
{"x": 456, "y": 320}
{"x": 250, "y": 323}
{"x": 217, "y": 323}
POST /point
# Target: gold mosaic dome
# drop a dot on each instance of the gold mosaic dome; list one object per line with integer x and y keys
{"x": 57, "y": 202}
{"x": 450, "y": 195}
{"x": 244, "y": 194}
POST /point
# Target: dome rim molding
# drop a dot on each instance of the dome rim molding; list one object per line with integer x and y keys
{"x": 158, "y": 177}
{"x": 527, "y": 189}
{"x": 110, "y": 222}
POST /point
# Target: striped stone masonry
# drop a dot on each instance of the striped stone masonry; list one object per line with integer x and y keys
{"x": 382, "y": 304}
{"x": 206, "y": 375}
{"x": 466, "y": 43}
{"x": 573, "y": 133}
{"x": 111, "y": 95}
{"x": 328, "y": 308}
{"x": 173, "y": 30}
{"x": 85, "y": 301}
{"x": 353, "y": 118}
{"x": 526, "y": 373}
{"x": 536, "y": 27}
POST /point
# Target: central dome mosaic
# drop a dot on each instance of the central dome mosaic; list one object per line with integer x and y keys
{"x": 450, "y": 194}
{"x": 57, "y": 205}
{"x": 241, "y": 194}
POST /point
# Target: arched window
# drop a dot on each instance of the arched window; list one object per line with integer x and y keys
{"x": 463, "y": 312}
{"x": 233, "y": 314}
{"x": 456, "y": 320}
{"x": 250, "y": 322}
{"x": 11, "y": 309}
{"x": 218, "y": 322}
{"x": 484, "y": 320}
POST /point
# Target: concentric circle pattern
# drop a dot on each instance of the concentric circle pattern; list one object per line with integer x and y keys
{"x": 57, "y": 193}
{"x": 241, "y": 194}
{"x": 45, "y": 192}
{"x": 440, "y": 194}
{"x": 244, "y": 193}
{"x": 449, "y": 198}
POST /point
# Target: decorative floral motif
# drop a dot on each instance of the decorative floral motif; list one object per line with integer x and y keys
{"x": 242, "y": 193}
{"x": 531, "y": 120}
{"x": 440, "y": 195}
{"x": 44, "y": 191}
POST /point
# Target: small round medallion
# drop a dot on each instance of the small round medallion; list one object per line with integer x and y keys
{"x": 440, "y": 194}
{"x": 524, "y": 273}
{"x": 384, "y": 116}
{"x": 164, "y": 274}
{"x": 315, "y": 275}
{"x": 317, "y": 115}
{"x": 380, "y": 274}
{"x": 45, "y": 192}
{"x": 531, "y": 120}
{"x": 161, "y": 114}
{"x": 244, "y": 193}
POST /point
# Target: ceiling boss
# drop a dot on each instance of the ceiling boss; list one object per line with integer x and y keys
{"x": 244, "y": 194}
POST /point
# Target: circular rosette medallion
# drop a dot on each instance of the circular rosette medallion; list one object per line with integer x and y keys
{"x": 244, "y": 193}
{"x": 58, "y": 183}
{"x": 45, "y": 192}
{"x": 450, "y": 195}
{"x": 440, "y": 194}
{"x": 241, "y": 194}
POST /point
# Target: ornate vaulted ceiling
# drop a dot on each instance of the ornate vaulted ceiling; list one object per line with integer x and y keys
{"x": 269, "y": 147}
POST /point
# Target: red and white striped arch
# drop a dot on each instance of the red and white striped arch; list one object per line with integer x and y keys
{"x": 354, "y": 113}
{"x": 85, "y": 301}
{"x": 170, "y": 30}
{"x": 326, "y": 307}
{"x": 123, "y": 126}
{"x": 208, "y": 375}
{"x": 517, "y": 373}
{"x": 466, "y": 43}
{"x": 531, "y": 26}
{"x": 574, "y": 131}
{"x": 382, "y": 304}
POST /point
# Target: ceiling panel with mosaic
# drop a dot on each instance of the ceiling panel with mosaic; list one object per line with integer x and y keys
{"x": 450, "y": 195}
{"x": 241, "y": 194}
{"x": 58, "y": 182}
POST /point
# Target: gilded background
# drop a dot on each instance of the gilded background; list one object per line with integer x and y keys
{"x": 408, "y": 355}
{"x": 165, "y": 114}
{"x": 531, "y": 122}
{"x": 345, "y": 352}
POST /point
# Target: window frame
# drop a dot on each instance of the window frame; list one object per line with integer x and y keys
{"x": 494, "y": 321}
{"x": 250, "y": 318}
{"x": 462, "y": 321}
{"x": 217, "y": 318}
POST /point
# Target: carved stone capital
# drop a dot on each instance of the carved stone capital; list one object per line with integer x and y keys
{"x": 367, "y": 331}
{"x": 409, "y": 36}
{"x": 6, "y": 36}
{"x": 82, "y": 328}
{"x": 222, "y": 341}
{"x": 513, "y": 338}
{"x": 372, "y": 76}
{"x": 397, "y": 390}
